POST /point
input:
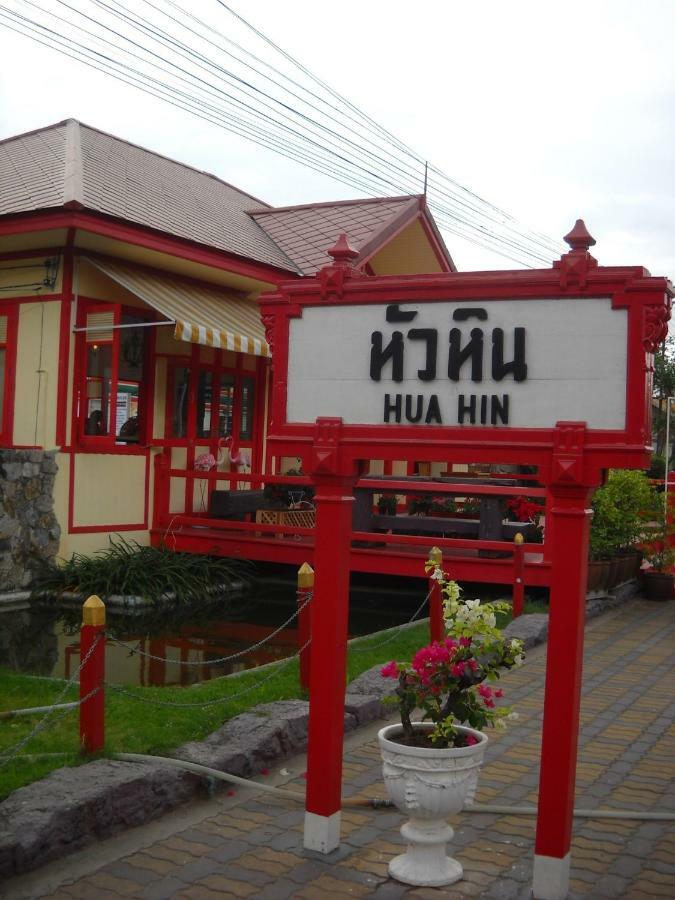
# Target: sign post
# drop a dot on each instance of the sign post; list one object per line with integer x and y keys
{"x": 549, "y": 368}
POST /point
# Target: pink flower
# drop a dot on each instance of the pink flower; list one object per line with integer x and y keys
{"x": 465, "y": 642}
{"x": 457, "y": 669}
{"x": 472, "y": 664}
{"x": 485, "y": 691}
{"x": 471, "y": 740}
{"x": 390, "y": 670}
{"x": 499, "y": 693}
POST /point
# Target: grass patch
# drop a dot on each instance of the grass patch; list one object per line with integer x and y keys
{"x": 136, "y": 727}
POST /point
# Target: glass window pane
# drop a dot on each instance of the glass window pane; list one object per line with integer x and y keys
{"x": 97, "y": 393}
{"x": 126, "y": 411}
{"x": 246, "y": 423}
{"x": 226, "y": 401}
{"x": 181, "y": 390}
{"x": 204, "y": 403}
{"x": 129, "y": 378}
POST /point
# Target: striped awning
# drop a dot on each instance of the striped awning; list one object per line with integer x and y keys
{"x": 201, "y": 315}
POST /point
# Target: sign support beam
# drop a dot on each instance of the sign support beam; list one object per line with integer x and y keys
{"x": 328, "y": 650}
{"x": 569, "y": 522}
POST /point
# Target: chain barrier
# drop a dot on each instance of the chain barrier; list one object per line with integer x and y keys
{"x": 223, "y": 659}
{"x": 273, "y": 674}
{"x": 49, "y": 719}
{"x": 392, "y": 637}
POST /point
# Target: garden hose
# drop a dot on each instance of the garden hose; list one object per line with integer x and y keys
{"x": 380, "y": 803}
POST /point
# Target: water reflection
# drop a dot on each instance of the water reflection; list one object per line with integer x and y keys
{"x": 181, "y": 647}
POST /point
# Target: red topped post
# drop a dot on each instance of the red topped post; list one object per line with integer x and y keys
{"x": 334, "y": 484}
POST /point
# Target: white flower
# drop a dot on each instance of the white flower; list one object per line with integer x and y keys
{"x": 518, "y": 660}
{"x": 490, "y": 620}
{"x": 437, "y": 575}
{"x": 512, "y": 716}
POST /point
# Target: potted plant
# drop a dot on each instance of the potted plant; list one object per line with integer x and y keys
{"x": 386, "y": 505}
{"x": 618, "y": 522}
{"x": 658, "y": 548}
{"x": 420, "y": 505}
{"x": 430, "y": 767}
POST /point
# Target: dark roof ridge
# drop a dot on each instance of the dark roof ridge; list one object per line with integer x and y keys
{"x": 71, "y": 120}
{"x": 330, "y": 203}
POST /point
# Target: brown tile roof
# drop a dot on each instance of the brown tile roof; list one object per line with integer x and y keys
{"x": 306, "y": 232}
{"x": 71, "y": 163}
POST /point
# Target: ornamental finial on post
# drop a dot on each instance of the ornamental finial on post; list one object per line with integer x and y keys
{"x": 579, "y": 238}
{"x": 332, "y": 277}
{"x": 575, "y": 265}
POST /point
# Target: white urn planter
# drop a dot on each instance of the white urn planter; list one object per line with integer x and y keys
{"x": 429, "y": 785}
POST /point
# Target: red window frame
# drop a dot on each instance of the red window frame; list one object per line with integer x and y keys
{"x": 110, "y": 443}
{"x": 11, "y": 313}
{"x": 217, "y": 369}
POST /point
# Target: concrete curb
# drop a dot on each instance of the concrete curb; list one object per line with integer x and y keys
{"x": 72, "y": 807}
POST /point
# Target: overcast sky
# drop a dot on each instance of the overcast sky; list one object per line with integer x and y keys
{"x": 550, "y": 111}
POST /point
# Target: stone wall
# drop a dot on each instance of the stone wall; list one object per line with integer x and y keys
{"x": 29, "y": 531}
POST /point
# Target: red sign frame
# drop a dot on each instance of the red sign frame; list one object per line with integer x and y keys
{"x": 571, "y": 460}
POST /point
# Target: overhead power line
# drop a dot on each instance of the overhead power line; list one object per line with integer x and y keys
{"x": 313, "y": 126}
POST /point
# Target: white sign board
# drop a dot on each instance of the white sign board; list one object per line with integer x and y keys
{"x": 519, "y": 363}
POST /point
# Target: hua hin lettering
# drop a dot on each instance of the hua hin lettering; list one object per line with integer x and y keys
{"x": 464, "y": 354}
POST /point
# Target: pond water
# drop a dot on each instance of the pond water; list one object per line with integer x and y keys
{"x": 41, "y": 641}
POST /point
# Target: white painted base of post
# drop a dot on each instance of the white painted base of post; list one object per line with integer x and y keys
{"x": 322, "y": 833}
{"x": 551, "y": 877}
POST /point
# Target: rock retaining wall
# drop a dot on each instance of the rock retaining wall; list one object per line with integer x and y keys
{"x": 29, "y": 531}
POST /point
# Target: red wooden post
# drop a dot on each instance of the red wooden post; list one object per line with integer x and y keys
{"x": 92, "y": 675}
{"x": 518, "y": 596}
{"x": 436, "y": 620}
{"x": 571, "y": 519}
{"x": 305, "y": 591}
{"x": 328, "y": 650}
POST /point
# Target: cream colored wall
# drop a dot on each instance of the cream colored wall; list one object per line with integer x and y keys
{"x": 37, "y": 361}
{"x": 36, "y": 272}
{"x": 88, "y": 543}
{"x": 109, "y": 489}
{"x": 409, "y": 253}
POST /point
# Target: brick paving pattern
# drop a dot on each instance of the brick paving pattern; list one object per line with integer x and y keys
{"x": 253, "y": 847}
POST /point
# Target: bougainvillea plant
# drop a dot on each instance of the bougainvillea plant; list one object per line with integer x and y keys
{"x": 449, "y": 680}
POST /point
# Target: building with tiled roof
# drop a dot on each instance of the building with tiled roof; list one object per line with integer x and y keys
{"x": 134, "y": 278}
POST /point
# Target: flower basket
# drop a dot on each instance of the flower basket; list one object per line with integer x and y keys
{"x": 429, "y": 784}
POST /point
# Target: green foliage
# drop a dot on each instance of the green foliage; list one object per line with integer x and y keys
{"x": 446, "y": 679}
{"x": 657, "y": 469}
{"x": 386, "y": 505}
{"x": 659, "y": 532}
{"x": 155, "y": 573}
{"x": 618, "y": 513}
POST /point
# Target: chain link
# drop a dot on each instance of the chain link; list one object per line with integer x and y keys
{"x": 273, "y": 674}
{"x": 223, "y": 659}
{"x": 392, "y": 637}
{"x": 49, "y": 718}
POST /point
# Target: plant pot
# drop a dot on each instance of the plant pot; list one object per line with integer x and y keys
{"x": 428, "y": 785}
{"x": 658, "y": 585}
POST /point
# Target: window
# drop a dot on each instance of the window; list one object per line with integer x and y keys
{"x": 8, "y": 327}
{"x": 223, "y": 403}
{"x": 112, "y": 402}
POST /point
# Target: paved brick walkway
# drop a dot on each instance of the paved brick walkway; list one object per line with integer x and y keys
{"x": 249, "y": 845}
